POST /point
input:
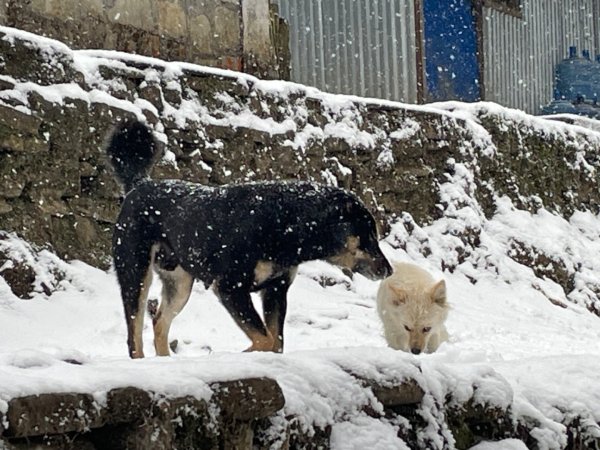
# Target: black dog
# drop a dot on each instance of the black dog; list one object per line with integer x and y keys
{"x": 240, "y": 238}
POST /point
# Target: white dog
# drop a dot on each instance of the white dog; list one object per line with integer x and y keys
{"x": 413, "y": 308}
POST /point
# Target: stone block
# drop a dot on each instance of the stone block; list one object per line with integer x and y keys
{"x": 19, "y": 276}
{"x": 125, "y": 405}
{"x": 235, "y": 63}
{"x": 6, "y": 84}
{"x": 50, "y": 206}
{"x": 257, "y": 46}
{"x": 227, "y": 33}
{"x": 101, "y": 210}
{"x": 50, "y": 176}
{"x": 78, "y": 9}
{"x": 172, "y": 18}
{"x": 11, "y": 182}
{"x": 38, "y": 415}
{"x": 140, "y": 14}
{"x": 15, "y": 141}
{"x": 152, "y": 93}
{"x": 172, "y": 95}
{"x": 248, "y": 399}
{"x": 78, "y": 237}
{"x": 19, "y": 121}
{"x": 406, "y": 393}
{"x": 201, "y": 34}
{"x": 257, "y": 26}
{"x": 5, "y": 207}
{"x": 207, "y": 86}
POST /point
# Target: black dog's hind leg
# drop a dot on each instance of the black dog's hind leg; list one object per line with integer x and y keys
{"x": 274, "y": 298}
{"x": 177, "y": 286}
{"x": 134, "y": 272}
{"x": 239, "y": 305}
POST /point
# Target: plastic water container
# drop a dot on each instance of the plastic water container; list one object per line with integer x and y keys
{"x": 585, "y": 85}
{"x": 595, "y": 77}
{"x": 583, "y": 109}
{"x": 560, "y": 106}
{"x": 573, "y": 74}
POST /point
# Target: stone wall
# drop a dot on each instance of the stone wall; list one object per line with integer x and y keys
{"x": 233, "y": 34}
{"x": 248, "y": 414}
{"x": 135, "y": 419}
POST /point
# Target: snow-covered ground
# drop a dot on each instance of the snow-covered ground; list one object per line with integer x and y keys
{"x": 501, "y": 325}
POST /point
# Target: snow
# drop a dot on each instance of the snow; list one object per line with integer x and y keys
{"x": 506, "y": 338}
{"x": 509, "y": 344}
{"x": 504, "y": 444}
{"x": 366, "y": 432}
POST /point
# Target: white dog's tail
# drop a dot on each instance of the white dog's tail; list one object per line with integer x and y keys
{"x": 132, "y": 150}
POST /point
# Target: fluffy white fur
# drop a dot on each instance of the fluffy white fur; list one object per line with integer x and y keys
{"x": 413, "y": 309}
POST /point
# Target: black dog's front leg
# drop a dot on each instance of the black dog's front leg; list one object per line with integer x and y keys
{"x": 239, "y": 305}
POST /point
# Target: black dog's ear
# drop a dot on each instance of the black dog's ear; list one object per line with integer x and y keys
{"x": 354, "y": 209}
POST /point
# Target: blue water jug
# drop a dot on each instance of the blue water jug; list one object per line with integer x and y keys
{"x": 572, "y": 76}
{"x": 559, "y": 106}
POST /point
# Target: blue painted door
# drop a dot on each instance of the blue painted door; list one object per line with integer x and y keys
{"x": 450, "y": 54}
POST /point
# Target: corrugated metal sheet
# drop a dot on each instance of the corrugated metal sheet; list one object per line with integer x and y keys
{"x": 520, "y": 54}
{"x": 368, "y": 47}
{"x": 361, "y": 47}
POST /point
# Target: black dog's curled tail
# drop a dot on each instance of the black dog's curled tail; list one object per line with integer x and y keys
{"x": 132, "y": 150}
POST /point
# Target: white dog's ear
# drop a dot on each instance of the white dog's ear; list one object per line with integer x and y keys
{"x": 400, "y": 295}
{"x": 438, "y": 293}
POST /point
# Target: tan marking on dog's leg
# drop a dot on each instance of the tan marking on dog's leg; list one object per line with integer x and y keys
{"x": 260, "y": 342}
{"x": 274, "y": 330}
{"x": 177, "y": 286}
{"x": 239, "y": 305}
{"x": 138, "y": 319}
{"x": 262, "y": 272}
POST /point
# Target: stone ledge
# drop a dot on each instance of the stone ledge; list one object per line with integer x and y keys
{"x": 406, "y": 393}
{"x": 59, "y": 413}
{"x": 19, "y": 121}
{"x": 239, "y": 416}
{"x": 43, "y": 414}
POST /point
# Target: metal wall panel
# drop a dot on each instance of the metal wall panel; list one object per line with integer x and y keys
{"x": 360, "y": 47}
{"x": 368, "y": 47}
{"x": 520, "y": 54}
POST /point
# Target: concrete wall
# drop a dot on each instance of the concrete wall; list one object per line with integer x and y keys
{"x": 233, "y": 34}
{"x": 258, "y": 46}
